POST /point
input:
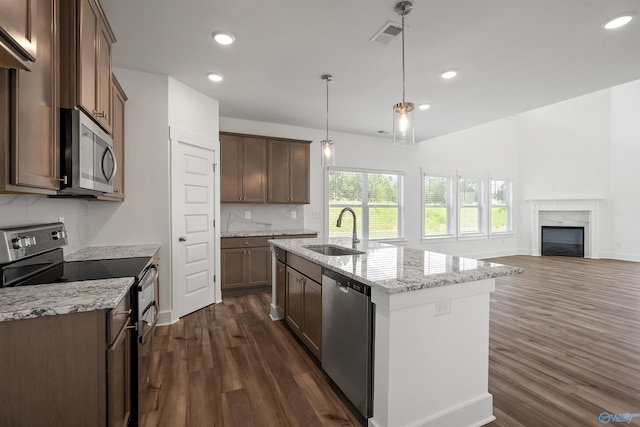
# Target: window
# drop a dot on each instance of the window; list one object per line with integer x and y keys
{"x": 471, "y": 206}
{"x": 438, "y": 205}
{"x": 377, "y": 198}
{"x": 501, "y": 206}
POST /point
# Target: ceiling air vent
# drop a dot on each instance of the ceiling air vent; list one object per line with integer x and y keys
{"x": 387, "y": 33}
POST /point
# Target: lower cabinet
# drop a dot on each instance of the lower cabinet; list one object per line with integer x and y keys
{"x": 281, "y": 285}
{"x": 303, "y": 301}
{"x": 69, "y": 369}
{"x": 246, "y": 265}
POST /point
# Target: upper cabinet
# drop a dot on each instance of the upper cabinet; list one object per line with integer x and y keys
{"x": 288, "y": 176}
{"x": 243, "y": 169}
{"x": 29, "y": 114}
{"x": 118, "y": 100}
{"x": 17, "y": 33}
{"x": 257, "y": 169}
{"x": 86, "y": 40}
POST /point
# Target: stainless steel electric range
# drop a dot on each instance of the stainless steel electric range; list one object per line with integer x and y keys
{"x": 33, "y": 255}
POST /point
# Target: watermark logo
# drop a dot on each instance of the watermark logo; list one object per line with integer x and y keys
{"x": 607, "y": 417}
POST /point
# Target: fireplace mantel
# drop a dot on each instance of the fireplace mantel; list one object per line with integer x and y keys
{"x": 592, "y": 206}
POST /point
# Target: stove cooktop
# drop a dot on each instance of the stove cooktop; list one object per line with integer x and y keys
{"x": 89, "y": 270}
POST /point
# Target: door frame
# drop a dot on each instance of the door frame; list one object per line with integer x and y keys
{"x": 177, "y": 136}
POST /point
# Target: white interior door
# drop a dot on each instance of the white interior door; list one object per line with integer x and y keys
{"x": 192, "y": 218}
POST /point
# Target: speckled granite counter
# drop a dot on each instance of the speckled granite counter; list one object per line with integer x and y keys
{"x": 267, "y": 233}
{"x": 112, "y": 252}
{"x": 393, "y": 269}
{"x": 25, "y": 302}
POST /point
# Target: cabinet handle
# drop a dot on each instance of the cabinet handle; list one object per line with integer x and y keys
{"x": 101, "y": 115}
{"x": 118, "y": 313}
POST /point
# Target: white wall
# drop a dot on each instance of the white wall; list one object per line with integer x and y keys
{"x": 625, "y": 172}
{"x": 565, "y": 151}
{"x": 143, "y": 217}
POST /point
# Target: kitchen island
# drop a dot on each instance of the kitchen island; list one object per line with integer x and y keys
{"x": 431, "y": 344}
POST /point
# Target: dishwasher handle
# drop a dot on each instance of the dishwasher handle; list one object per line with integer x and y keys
{"x": 345, "y": 284}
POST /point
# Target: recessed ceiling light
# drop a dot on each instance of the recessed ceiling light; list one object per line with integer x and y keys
{"x": 223, "y": 37}
{"x": 424, "y": 106}
{"x": 449, "y": 74}
{"x": 215, "y": 77}
{"x": 619, "y": 21}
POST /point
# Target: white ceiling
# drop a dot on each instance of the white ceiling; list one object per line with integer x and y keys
{"x": 513, "y": 56}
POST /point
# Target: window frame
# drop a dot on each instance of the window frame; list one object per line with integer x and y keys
{"x": 510, "y": 205}
{"x": 482, "y": 205}
{"x": 365, "y": 205}
{"x": 451, "y": 207}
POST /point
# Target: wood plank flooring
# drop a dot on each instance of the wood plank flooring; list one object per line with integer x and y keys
{"x": 564, "y": 347}
{"x": 565, "y": 342}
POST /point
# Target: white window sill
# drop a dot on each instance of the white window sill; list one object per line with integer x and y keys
{"x": 438, "y": 239}
{"x": 472, "y": 237}
{"x": 506, "y": 234}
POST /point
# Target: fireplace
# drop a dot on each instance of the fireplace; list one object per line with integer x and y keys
{"x": 562, "y": 241}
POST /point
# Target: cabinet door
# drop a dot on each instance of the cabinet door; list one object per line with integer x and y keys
{"x": 233, "y": 267}
{"x": 119, "y": 380}
{"x": 299, "y": 172}
{"x": 119, "y": 99}
{"x": 278, "y": 180}
{"x": 230, "y": 168}
{"x": 17, "y": 35}
{"x": 103, "y": 79}
{"x": 294, "y": 300}
{"x": 254, "y": 170}
{"x": 258, "y": 266}
{"x": 35, "y": 111}
{"x": 87, "y": 61}
{"x": 281, "y": 286}
{"x": 312, "y": 332}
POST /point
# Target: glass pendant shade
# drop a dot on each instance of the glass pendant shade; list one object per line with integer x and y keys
{"x": 403, "y": 123}
{"x": 328, "y": 153}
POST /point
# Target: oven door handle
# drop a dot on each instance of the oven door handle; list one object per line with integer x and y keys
{"x": 148, "y": 280}
{"x": 151, "y": 327}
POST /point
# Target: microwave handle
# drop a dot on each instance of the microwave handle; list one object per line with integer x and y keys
{"x": 115, "y": 163}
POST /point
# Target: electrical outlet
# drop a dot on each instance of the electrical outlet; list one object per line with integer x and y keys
{"x": 443, "y": 307}
{"x": 293, "y": 214}
{"x": 247, "y": 214}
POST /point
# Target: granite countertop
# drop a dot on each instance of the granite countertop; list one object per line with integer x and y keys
{"x": 24, "y": 302}
{"x": 112, "y": 252}
{"x": 266, "y": 233}
{"x": 394, "y": 269}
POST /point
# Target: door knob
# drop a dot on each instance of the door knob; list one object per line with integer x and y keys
{"x": 182, "y": 238}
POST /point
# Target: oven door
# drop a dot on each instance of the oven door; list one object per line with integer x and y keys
{"x": 147, "y": 305}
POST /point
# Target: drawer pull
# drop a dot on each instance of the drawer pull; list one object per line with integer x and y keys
{"x": 120, "y": 313}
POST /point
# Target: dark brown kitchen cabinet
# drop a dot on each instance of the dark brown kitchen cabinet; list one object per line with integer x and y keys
{"x": 304, "y": 301}
{"x": 288, "y": 166}
{"x": 281, "y": 281}
{"x": 85, "y": 55}
{"x": 119, "y": 99}
{"x": 68, "y": 369}
{"x": 246, "y": 265}
{"x": 17, "y": 33}
{"x": 243, "y": 169}
{"x": 29, "y": 115}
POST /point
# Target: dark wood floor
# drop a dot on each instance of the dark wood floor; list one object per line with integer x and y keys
{"x": 564, "y": 347}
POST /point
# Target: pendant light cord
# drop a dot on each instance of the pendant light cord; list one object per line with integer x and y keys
{"x": 403, "y": 13}
{"x": 327, "y": 109}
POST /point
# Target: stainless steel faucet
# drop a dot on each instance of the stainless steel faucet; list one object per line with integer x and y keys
{"x": 339, "y": 224}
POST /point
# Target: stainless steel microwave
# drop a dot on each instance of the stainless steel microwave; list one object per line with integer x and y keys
{"x": 88, "y": 163}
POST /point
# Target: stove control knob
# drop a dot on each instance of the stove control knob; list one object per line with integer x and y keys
{"x": 57, "y": 235}
{"x": 18, "y": 243}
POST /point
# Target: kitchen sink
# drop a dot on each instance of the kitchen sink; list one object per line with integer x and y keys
{"x": 332, "y": 250}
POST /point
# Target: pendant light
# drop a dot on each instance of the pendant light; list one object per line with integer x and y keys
{"x": 328, "y": 153}
{"x": 403, "y": 111}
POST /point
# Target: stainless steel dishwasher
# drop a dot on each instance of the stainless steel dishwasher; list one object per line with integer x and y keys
{"x": 347, "y": 338}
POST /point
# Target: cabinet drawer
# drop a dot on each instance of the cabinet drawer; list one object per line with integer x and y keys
{"x": 281, "y": 254}
{"x": 244, "y": 242}
{"x": 117, "y": 317}
{"x": 308, "y": 268}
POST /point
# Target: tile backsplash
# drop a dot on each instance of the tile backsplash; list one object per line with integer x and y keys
{"x": 262, "y": 217}
{"x": 31, "y": 209}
